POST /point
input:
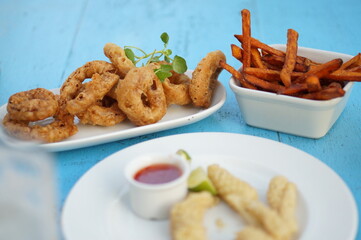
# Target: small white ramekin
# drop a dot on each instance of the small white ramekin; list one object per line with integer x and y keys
{"x": 154, "y": 201}
{"x": 297, "y": 116}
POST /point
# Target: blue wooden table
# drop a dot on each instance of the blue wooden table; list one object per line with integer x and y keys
{"x": 42, "y": 42}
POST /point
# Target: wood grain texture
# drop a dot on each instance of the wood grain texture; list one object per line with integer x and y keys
{"x": 35, "y": 40}
{"x": 42, "y": 42}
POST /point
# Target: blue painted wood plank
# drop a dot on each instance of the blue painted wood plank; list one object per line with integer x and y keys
{"x": 35, "y": 40}
{"x": 327, "y": 25}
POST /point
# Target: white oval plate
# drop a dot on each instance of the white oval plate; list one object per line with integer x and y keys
{"x": 176, "y": 116}
{"x": 98, "y": 206}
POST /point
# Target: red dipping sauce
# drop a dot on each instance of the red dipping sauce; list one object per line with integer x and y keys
{"x": 158, "y": 173}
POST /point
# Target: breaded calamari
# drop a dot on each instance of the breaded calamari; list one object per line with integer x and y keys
{"x": 70, "y": 88}
{"x": 32, "y": 105}
{"x": 176, "y": 89}
{"x": 60, "y": 128}
{"x": 104, "y": 113}
{"x": 141, "y": 97}
{"x": 92, "y": 92}
{"x": 205, "y": 79}
{"x": 117, "y": 56}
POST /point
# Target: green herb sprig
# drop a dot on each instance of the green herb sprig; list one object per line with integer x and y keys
{"x": 178, "y": 64}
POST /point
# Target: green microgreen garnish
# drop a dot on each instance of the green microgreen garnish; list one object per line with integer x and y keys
{"x": 177, "y": 64}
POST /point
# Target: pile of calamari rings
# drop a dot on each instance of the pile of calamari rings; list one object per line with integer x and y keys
{"x": 114, "y": 91}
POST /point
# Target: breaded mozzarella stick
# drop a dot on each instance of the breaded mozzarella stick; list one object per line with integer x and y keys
{"x": 187, "y": 216}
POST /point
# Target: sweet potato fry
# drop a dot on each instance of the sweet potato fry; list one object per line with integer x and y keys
{"x": 236, "y": 74}
{"x": 256, "y": 58}
{"x": 237, "y": 52}
{"x": 322, "y": 70}
{"x": 350, "y": 62}
{"x": 274, "y": 60}
{"x": 268, "y": 49}
{"x": 290, "y": 58}
{"x": 271, "y": 66}
{"x": 294, "y": 89}
{"x": 269, "y": 74}
{"x": 268, "y": 86}
{"x": 344, "y": 75}
{"x": 285, "y": 72}
{"x": 313, "y": 84}
{"x": 258, "y": 44}
{"x": 325, "y": 94}
{"x": 246, "y": 31}
{"x": 357, "y": 63}
{"x": 300, "y": 66}
{"x": 265, "y": 74}
{"x": 355, "y": 69}
{"x": 335, "y": 85}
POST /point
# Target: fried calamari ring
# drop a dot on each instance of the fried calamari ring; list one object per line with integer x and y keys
{"x": 141, "y": 97}
{"x": 60, "y": 128}
{"x": 32, "y": 105}
{"x": 176, "y": 89}
{"x": 204, "y": 79}
{"x": 70, "y": 88}
{"x": 103, "y": 113}
{"x": 92, "y": 91}
{"x": 117, "y": 56}
{"x": 17, "y": 128}
{"x": 112, "y": 93}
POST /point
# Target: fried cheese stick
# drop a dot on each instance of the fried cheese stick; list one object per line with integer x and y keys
{"x": 186, "y": 217}
{"x": 269, "y": 220}
{"x": 233, "y": 191}
{"x": 253, "y": 233}
{"x": 282, "y": 197}
{"x": 243, "y": 198}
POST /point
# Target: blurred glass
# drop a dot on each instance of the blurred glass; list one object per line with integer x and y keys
{"x": 28, "y": 209}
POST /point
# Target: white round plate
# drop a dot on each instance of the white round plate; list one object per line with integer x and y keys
{"x": 98, "y": 206}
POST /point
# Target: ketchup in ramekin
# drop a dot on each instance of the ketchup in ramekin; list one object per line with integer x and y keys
{"x": 158, "y": 173}
{"x": 156, "y": 182}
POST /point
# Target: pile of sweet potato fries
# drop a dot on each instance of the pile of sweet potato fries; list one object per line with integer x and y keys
{"x": 269, "y": 69}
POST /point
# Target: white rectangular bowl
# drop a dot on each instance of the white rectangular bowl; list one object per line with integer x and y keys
{"x": 297, "y": 116}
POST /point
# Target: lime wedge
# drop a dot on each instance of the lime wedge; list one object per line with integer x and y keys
{"x": 199, "y": 181}
{"x": 184, "y": 154}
